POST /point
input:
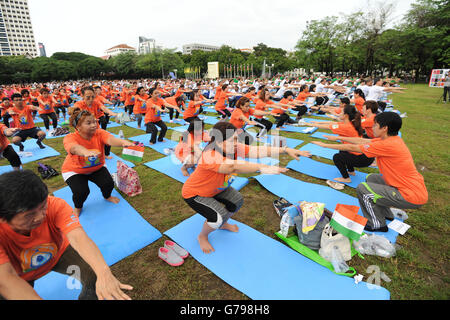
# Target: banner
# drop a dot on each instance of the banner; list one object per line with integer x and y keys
{"x": 213, "y": 70}
{"x": 438, "y": 77}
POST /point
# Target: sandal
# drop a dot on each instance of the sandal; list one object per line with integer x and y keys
{"x": 336, "y": 185}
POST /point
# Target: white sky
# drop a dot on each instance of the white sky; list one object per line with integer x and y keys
{"x": 93, "y": 26}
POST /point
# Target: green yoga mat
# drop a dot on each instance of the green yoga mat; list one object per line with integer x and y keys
{"x": 293, "y": 242}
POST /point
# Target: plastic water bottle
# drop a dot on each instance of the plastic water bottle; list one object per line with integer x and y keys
{"x": 338, "y": 261}
{"x": 286, "y": 222}
{"x": 121, "y": 135}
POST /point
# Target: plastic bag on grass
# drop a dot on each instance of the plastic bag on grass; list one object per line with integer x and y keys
{"x": 376, "y": 245}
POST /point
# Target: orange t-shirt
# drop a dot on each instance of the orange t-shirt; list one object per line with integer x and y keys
{"x": 279, "y": 112}
{"x": 140, "y": 107}
{"x": 250, "y": 96}
{"x": 302, "y": 96}
{"x": 4, "y": 142}
{"x": 218, "y": 93}
{"x": 62, "y": 99}
{"x": 47, "y": 106}
{"x": 345, "y": 130}
{"x": 94, "y": 108}
{"x": 359, "y": 103}
{"x": 34, "y": 256}
{"x": 367, "y": 124}
{"x": 192, "y": 110}
{"x": 185, "y": 149}
{"x": 397, "y": 167}
{"x": 178, "y": 93}
{"x": 5, "y": 107}
{"x": 173, "y": 101}
{"x": 236, "y": 115}
{"x": 23, "y": 119}
{"x": 206, "y": 181}
{"x": 220, "y": 105}
{"x": 260, "y": 105}
{"x": 83, "y": 165}
{"x": 129, "y": 98}
{"x": 153, "y": 115}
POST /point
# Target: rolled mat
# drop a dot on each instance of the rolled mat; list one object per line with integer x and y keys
{"x": 117, "y": 229}
{"x": 324, "y": 171}
{"x": 265, "y": 269}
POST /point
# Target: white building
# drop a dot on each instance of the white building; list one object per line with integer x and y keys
{"x": 188, "y": 48}
{"x": 121, "y": 48}
{"x": 16, "y": 31}
{"x": 147, "y": 45}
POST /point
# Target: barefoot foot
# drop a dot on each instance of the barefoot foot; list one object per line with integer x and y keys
{"x": 184, "y": 171}
{"x": 230, "y": 227}
{"x": 205, "y": 245}
{"x": 77, "y": 211}
{"x": 343, "y": 180}
{"x": 113, "y": 200}
{"x": 352, "y": 173}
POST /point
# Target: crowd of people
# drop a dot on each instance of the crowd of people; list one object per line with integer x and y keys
{"x": 367, "y": 131}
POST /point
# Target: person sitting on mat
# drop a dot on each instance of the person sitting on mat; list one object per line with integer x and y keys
{"x": 175, "y": 101}
{"x": 38, "y": 234}
{"x": 156, "y": 105}
{"x": 358, "y": 100}
{"x": 208, "y": 190}
{"x": 369, "y": 111}
{"x": 350, "y": 126}
{"x": 85, "y": 160}
{"x": 23, "y": 119}
{"x": 6, "y": 150}
{"x": 188, "y": 150}
{"x": 195, "y": 106}
{"x": 220, "y": 106}
{"x": 240, "y": 118}
{"x": 399, "y": 184}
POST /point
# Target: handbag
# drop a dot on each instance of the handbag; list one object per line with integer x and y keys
{"x": 128, "y": 180}
{"x": 330, "y": 241}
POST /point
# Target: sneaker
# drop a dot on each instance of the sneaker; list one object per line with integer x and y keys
{"x": 169, "y": 256}
{"x": 280, "y": 205}
{"x": 175, "y": 247}
{"x": 382, "y": 229}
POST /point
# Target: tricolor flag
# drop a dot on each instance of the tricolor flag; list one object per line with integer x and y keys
{"x": 135, "y": 153}
{"x": 348, "y": 222}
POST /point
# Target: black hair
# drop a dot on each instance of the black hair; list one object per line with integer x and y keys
{"x": 20, "y": 191}
{"x": 345, "y": 100}
{"x": 360, "y": 93}
{"x": 139, "y": 89}
{"x": 391, "y": 120}
{"x": 24, "y": 91}
{"x": 222, "y": 131}
{"x": 355, "y": 118}
{"x": 5, "y": 99}
{"x": 303, "y": 87}
{"x": 312, "y": 88}
{"x": 89, "y": 88}
{"x": 372, "y": 105}
{"x": 192, "y": 94}
{"x": 288, "y": 93}
{"x": 16, "y": 95}
{"x": 150, "y": 92}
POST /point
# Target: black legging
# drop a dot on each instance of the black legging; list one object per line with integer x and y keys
{"x": 80, "y": 188}
{"x": 12, "y": 157}
{"x": 282, "y": 119}
{"x": 322, "y": 100}
{"x": 301, "y": 111}
{"x": 151, "y": 128}
{"x": 225, "y": 113}
{"x": 60, "y": 109}
{"x": 130, "y": 109}
{"x": 245, "y": 137}
{"x": 189, "y": 120}
{"x": 266, "y": 123}
{"x": 171, "y": 111}
{"x": 103, "y": 121}
{"x": 6, "y": 118}
{"x": 47, "y": 121}
{"x": 346, "y": 162}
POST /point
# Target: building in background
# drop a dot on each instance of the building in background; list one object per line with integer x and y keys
{"x": 188, "y": 48}
{"x": 42, "y": 52}
{"x": 16, "y": 31}
{"x": 121, "y": 48}
{"x": 148, "y": 46}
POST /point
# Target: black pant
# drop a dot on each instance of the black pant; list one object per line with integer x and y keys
{"x": 129, "y": 108}
{"x": 171, "y": 111}
{"x": 103, "y": 121}
{"x": 382, "y": 105}
{"x": 282, "y": 119}
{"x": 12, "y": 157}
{"x": 80, "y": 188}
{"x": 151, "y": 128}
{"x": 245, "y": 137}
{"x": 301, "y": 111}
{"x": 47, "y": 121}
{"x": 60, "y": 109}
{"x": 346, "y": 162}
{"x": 225, "y": 113}
{"x": 266, "y": 123}
{"x": 6, "y": 118}
{"x": 322, "y": 100}
{"x": 446, "y": 92}
{"x": 192, "y": 119}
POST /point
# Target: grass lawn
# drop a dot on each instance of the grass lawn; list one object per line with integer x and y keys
{"x": 419, "y": 271}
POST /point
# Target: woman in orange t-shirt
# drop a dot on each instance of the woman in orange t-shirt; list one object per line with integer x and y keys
{"x": 208, "y": 190}
{"x": 220, "y": 106}
{"x": 46, "y": 103}
{"x": 195, "y": 106}
{"x": 350, "y": 126}
{"x": 140, "y": 105}
{"x": 62, "y": 100}
{"x": 85, "y": 159}
{"x": 358, "y": 100}
{"x": 188, "y": 150}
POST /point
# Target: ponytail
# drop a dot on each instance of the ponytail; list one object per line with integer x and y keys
{"x": 355, "y": 118}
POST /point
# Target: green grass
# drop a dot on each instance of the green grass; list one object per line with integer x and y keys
{"x": 419, "y": 271}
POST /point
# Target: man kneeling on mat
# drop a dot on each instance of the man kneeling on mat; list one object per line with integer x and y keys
{"x": 399, "y": 185}
{"x": 39, "y": 234}
{"x": 208, "y": 190}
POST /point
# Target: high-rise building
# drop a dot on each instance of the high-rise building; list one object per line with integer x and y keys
{"x": 42, "y": 52}
{"x": 188, "y": 48}
{"x": 146, "y": 45}
{"x": 16, "y": 31}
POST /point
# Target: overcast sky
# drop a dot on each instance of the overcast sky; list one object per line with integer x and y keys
{"x": 92, "y": 26}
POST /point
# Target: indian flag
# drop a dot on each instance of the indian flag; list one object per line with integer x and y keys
{"x": 348, "y": 222}
{"x": 133, "y": 153}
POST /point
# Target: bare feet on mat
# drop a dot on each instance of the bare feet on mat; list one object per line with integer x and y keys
{"x": 184, "y": 171}
{"x": 77, "y": 211}
{"x": 343, "y": 180}
{"x": 204, "y": 244}
{"x": 352, "y": 173}
{"x": 230, "y": 227}
{"x": 113, "y": 200}
{"x": 108, "y": 157}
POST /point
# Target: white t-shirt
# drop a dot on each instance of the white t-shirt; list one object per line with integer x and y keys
{"x": 375, "y": 93}
{"x": 320, "y": 88}
{"x": 280, "y": 92}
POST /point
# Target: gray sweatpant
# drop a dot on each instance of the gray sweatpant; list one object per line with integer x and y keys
{"x": 376, "y": 199}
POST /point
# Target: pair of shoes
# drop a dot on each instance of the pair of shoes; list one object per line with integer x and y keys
{"x": 172, "y": 253}
{"x": 46, "y": 171}
{"x": 336, "y": 185}
{"x": 280, "y": 205}
{"x": 382, "y": 229}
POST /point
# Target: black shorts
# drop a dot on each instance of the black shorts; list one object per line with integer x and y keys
{"x": 29, "y": 133}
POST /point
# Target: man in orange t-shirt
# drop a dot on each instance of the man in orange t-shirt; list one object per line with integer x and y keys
{"x": 6, "y": 150}
{"x": 399, "y": 184}
{"x": 39, "y": 234}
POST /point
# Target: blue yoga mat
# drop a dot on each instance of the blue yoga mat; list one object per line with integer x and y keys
{"x": 265, "y": 269}
{"x": 111, "y": 164}
{"x": 316, "y": 120}
{"x": 180, "y": 129}
{"x": 320, "y": 135}
{"x": 319, "y": 151}
{"x": 210, "y": 120}
{"x": 113, "y": 124}
{"x": 117, "y": 229}
{"x": 38, "y": 154}
{"x": 133, "y": 124}
{"x": 324, "y": 171}
{"x": 267, "y": 160}
{"x": 159, "y": 146}
{"x": 170, "y": 166}
{"x": 295, "y": 191}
